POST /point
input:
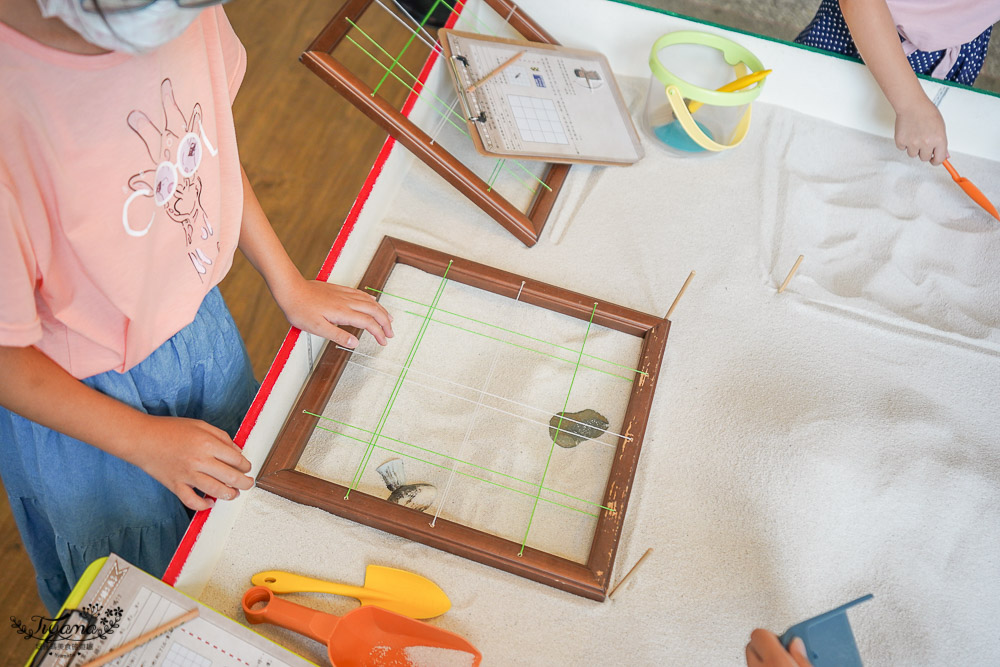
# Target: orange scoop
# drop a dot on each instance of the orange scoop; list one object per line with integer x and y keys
{"x": 363, "y": 637}
{"x": 974, "y": 193}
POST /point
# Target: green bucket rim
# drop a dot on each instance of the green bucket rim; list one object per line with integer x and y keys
{"x": 732, "y": 52}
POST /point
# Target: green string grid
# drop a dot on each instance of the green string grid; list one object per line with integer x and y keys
{"x": 461, "y": 128}
{"x": 548, "y": 462}
{"x": 413, "y": 35}
{"x": 516, "y": 333}
{"x": 523, "y": 347}
{"x": 467, "y": 388}
{"x": 457, "y": 460}
{"x": 399, "y": 384}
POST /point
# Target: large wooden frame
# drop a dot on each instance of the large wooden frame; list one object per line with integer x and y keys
{"x": 526, "y": 227}
{"x": 278, "y": 474}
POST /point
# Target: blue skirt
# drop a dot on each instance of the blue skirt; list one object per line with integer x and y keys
{"x": 828, "y": 31}
{"x": 74, "y": 503}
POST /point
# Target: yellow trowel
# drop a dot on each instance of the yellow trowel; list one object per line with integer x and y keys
{"x": 385, "y": 587}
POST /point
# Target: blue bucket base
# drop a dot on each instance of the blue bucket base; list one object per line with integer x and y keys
{"x": 674, "y": 135}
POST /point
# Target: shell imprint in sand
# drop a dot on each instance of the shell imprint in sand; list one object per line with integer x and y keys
{"x": 417, "y": 496}
{"x": 577, "y": 427}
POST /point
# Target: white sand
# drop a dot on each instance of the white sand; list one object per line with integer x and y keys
{"x": 804, "y": 449}
{"x": 432, "y": 656}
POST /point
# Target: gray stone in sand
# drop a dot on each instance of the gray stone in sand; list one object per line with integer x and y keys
{"x": 577, "y": 427}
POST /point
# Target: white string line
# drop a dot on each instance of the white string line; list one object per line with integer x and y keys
{"x": 469, "y": 400}
{"x": 443, "y": 120}
{"x": 434, "y": 46}
{"x": 513, "y": 10}
{"x": 472, "y": 422}
{"x": 468, "y": 430}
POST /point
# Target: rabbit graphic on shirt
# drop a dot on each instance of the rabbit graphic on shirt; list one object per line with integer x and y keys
{"x": 172, "y": 183}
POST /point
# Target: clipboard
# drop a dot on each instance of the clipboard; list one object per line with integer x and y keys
{"x": 114, "y": 602}
{"x": 540, "y": 101}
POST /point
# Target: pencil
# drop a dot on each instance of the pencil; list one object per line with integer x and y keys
{"x": 494, "y": 72}
{"x": 142, "y": 639}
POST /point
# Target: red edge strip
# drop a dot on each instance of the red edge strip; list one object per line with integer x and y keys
{"x": 198, "y": 522}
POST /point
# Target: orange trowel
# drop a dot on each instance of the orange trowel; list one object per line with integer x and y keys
{"x": 974, "y": 193}
{"x": 364, "y": 637}
{"x": 399, "y": 591}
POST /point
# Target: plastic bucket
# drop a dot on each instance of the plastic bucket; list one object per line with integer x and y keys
{"x": 685, "y": 113}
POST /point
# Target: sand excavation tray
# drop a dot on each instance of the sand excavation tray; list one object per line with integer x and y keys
{"x": 502, "y": 423}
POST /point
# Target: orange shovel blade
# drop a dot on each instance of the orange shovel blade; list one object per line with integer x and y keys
{"x": 364, "y": 637}
{"x": 370, "y": 636}
{"x": 975, "y": 194}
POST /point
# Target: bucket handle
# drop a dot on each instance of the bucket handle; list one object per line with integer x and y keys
{"x": 683, "y": 116}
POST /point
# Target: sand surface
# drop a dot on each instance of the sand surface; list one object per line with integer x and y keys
{"x": 804, "y": 448}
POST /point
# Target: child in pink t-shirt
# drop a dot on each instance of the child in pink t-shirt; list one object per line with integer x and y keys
{"x": 898, "y": 38}
{"x": 122, "y": 202}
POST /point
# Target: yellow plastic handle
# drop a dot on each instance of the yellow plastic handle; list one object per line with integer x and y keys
{"x": 740, "y": 83}
{"x": 287, "y": 582}
{"x": 683, "y": 116}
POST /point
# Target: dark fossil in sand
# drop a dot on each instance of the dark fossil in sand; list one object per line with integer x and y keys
{"x": 576, "y": 427}
{"x": 417, "y": 496}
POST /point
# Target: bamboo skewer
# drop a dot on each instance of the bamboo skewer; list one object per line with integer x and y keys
{"x": 142, "y": 639}
{"x": 679, "y": 295}
{"x": 791, "y": 273}
{"x": 495, "y": 72}
{"x": 634, "y": 568}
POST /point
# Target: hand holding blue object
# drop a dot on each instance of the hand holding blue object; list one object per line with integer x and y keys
{"x": 828, "y": 638}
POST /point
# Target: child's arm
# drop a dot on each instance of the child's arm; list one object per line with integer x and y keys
{"x": 311, "y": 305}
{"x": 920, "y": 129}
{"x": 181, "y": 454}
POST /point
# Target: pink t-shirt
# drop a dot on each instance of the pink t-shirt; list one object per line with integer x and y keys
{"x": 935, "y": 25}
{"x": 120, "y": 192}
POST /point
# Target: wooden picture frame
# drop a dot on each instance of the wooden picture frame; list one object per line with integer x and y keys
{"x": 525, "y": 226}
{"x": 279, "y": 475}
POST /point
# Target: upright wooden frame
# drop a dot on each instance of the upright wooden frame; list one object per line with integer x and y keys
{"x": 526, "y": 227}
{"x": 278, "y": 474}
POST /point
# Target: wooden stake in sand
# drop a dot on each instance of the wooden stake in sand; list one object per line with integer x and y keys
{"x": 679, "y": 295}
{"x": 495, "y": 72}
{"x": 142, "y": 639}
{"x": 791, "y": 273}
{"x": 643, "y": 557}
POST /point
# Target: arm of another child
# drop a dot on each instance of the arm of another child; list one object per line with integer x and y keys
{"x": 920, "y": 129}
{"x": 182, "y": 454}
{"x": 311, "y": 305}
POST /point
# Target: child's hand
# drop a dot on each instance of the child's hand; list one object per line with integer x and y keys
{"x": 318, "y": 307}
{"x": 920, "y": 131}
{"x": 765, "y": 650}
{"x": 188, "y": 454}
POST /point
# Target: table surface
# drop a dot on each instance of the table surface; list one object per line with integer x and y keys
{"x": 803, "y": 450}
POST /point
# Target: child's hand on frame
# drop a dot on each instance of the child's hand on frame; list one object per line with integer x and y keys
{"x": 188, "y": 454}
{"x": 319, "y": 307}
{"x": 920, "y": 131}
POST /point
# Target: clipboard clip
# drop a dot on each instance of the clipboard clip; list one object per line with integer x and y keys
{"x": 481, "y": 118}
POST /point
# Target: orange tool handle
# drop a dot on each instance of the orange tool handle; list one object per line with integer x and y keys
{"x": 303, "y": 620}
{"x": 951, "y": 170}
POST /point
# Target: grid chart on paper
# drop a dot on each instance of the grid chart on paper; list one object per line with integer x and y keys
{"x": 181, "y": 656}
{"x": 537, "y": 119}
